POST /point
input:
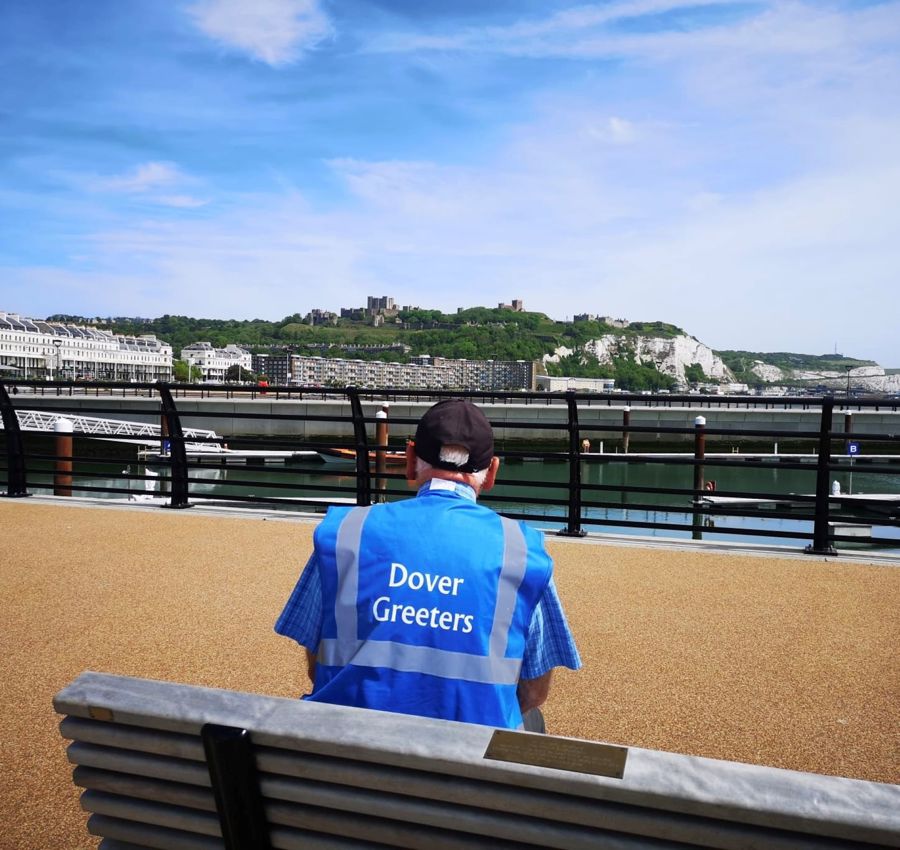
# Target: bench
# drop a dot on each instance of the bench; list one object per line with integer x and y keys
{"x": 179, "y": 767}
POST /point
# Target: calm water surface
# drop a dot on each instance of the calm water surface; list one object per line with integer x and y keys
{"x": 518, "y": 486}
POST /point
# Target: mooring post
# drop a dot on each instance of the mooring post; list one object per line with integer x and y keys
{"x": 381, "y": 440}
{"x": 62, "y": 473}
{"x": 699, "y": 455}
{"x": 626, "y": 434}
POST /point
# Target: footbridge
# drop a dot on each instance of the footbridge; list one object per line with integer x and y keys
{"x": 120, "y": 430}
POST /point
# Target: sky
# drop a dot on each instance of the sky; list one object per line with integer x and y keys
{"x": 730, "y": 167}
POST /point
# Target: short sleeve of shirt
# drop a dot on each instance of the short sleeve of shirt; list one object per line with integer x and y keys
{"x": 301, "y": 618}
{"x": 549, "y": 643}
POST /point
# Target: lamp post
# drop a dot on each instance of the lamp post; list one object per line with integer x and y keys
{"x": 57, "y": 344}
{"x": 848, "y": 368}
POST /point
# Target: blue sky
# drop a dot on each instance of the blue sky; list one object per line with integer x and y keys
{"x": 731, "y": 167}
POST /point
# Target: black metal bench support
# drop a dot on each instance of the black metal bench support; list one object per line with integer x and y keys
{"x": 235, "y": 785}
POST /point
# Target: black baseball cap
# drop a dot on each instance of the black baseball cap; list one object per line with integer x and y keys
{"x": 455, "y": 422}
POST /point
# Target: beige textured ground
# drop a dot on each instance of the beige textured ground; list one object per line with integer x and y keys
{"x": 787, "y": 662}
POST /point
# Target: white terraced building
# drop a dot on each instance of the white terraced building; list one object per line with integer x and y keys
{"x": 423, "y": 373}
{"x": 34, "y": 348}
{"x": 213, "y": 362}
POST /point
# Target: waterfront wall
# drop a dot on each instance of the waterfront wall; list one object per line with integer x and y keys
{"x": 272, "y": 417}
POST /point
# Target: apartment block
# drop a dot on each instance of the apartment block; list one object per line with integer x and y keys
{"x": 423, "y": 373}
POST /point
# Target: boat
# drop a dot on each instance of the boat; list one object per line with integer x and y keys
{"x": 337, "y": 455}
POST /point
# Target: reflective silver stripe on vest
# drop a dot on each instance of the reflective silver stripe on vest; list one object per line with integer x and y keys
{"x": 515, "y": 555}
{"x": 408, "y": 658}
{"x": 347, "y": 556}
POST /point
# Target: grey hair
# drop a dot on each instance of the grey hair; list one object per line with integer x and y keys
{"x": 458, "y": 456}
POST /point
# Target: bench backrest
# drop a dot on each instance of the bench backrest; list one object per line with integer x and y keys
{"x": 333, "y": 777}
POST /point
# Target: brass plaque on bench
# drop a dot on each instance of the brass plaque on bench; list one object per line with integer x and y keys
{"x": 559, "y": 753}
{"x": 98, "y": 713}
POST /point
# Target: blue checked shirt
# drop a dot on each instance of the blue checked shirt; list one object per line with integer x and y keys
{"x": 549, "y": 643}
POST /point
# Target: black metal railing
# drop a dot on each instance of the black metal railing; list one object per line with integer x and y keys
{"x": 297, "y": 426}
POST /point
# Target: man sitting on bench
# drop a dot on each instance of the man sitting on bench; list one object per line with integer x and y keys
{"x": 434, "y": 606}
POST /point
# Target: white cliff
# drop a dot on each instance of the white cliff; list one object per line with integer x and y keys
{"x": 766, "y": 372}
{"x": 866, "y": 378}
{"x": 562, "y": 351}
{"x": 670, "y": 355}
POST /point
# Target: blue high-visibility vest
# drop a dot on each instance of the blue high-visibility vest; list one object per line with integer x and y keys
{"x": 426, "y": 606}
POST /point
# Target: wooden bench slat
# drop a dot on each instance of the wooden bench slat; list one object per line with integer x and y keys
{"x": 132, "y": 738}
{"x": 384, "y": 831}
{"x": 147, "y": 835}
{"x": 178, "y": 818}
{"x": 144, "y": 788}
{"x": 113, "y": 844}
{"x": 140, "y": 764}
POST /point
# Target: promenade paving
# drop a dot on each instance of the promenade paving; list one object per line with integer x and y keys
{"x": 777, "y": 660}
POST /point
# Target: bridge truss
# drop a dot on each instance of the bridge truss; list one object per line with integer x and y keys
{"x": 120, "y": 430}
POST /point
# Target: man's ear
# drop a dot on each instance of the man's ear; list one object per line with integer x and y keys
{"x": 410, "y": 461}
{"x": 491, "y": 476}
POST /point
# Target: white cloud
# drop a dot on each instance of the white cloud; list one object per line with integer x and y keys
{"x": 276, "y": 32}
{"x": 775, "y": 27}
{"x": 150, "y": 182}
{"x": 562, "y": 33}
{"x": 180, "y": 201}
{"x": 142, "y": 178}
{"x": 617, "y": 131}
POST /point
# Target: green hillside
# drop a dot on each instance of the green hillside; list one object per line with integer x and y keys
{"x": 479, "y": 333}
{"x": 740, "y": 362}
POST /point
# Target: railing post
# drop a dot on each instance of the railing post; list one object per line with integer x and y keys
{"x": 16, "y": 486}
{"x": 626, "y": 422}
{"x": 363, "y": 474}
{"x": 178, "y": 467}
{"x": 820, "y": 544}
{"x": 573, "y": 522}
{"x": 235, "y": 785}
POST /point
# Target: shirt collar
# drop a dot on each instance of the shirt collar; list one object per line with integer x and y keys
{"x": 442, "y": 485}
